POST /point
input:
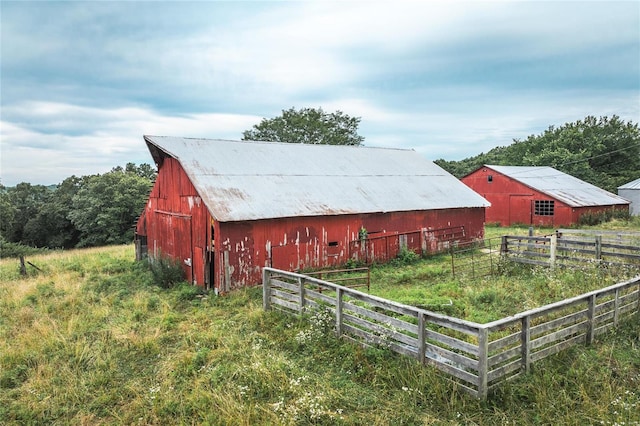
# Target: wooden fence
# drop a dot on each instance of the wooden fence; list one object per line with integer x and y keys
{"x": 350, "y": 277}
{"x": 475, "y": 356}
{"x": 557, "y": 249}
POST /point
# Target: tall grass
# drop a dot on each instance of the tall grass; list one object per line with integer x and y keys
{"x": 92, "y": 339}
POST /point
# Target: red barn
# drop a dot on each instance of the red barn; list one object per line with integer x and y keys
{"x": 540, "y": 196}
{"x": 226, "y": 209}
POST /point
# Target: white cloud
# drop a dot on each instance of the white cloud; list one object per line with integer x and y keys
{"x": 83, "y": 81}
{"x": 100, "y": 138}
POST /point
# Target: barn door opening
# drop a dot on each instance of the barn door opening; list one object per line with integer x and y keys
{"x": 175, "y": 240}
{"x": 182, "y": 234}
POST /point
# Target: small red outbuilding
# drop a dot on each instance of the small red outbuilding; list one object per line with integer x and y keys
{"x": 226, "y": 209}
{"x": 539, "y": 196}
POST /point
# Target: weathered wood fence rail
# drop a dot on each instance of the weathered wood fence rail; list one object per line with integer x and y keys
{"x": 476, "y": 356}
{"x": 557, "y": 250}
{"x": 350, "y": 277}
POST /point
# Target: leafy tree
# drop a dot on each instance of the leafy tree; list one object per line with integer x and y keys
{"x": 80, "y": 211}
{"x": 604, "y": 152}
{"x": 51, "y": 227}
{"x": 25, "y": 202}
{"x": 7, "y": 212}
{"x": 144, "y": 170}
{"x": 105, "y": 208}
{"x": 308, "y": 125}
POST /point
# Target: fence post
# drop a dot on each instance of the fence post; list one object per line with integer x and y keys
{"x": 552, "y": 253}
{"x": 525, "y": 339}
{"x": 473, "y": 266}
{"x": 453, "y": 263}
{"x": 598, "y": 247}
{"x": 421, "y": 339}
{"x": 490, "y": 259}
{"x": 266, "y": 289}
{"x": 591, "y": 321}
{"x": 483, "y": 362}
{"x": 504, "y": 248}
{"x": 301, "y": 299}
{"x": 338, "y": 312}
{"x": 616, "y": 307}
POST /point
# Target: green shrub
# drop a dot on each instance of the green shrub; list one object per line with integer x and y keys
{"x": 166, "y": 271}
{"x": 405, "y": 257}
{"x": 8, "y": 249}
{"x": 596, "y": 218}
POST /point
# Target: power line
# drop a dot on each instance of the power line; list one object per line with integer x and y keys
{"x": 599, "y": 155}
{"x": 578, "y": 161}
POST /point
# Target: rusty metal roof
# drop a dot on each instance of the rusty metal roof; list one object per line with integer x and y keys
{"x": 248, "y": 180}
{"x": 634, "y": 184}
{"x": 561, "y": 186}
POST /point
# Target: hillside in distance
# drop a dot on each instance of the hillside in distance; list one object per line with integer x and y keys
{"x": 602, "y": 151}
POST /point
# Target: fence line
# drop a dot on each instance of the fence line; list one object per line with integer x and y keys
{"x": 557, "y": 250}
{"x": 349, "y": 277}
{"x": 475, "y": 356}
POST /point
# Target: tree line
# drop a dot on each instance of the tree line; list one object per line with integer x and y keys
{"x": 102, "y": 209}
{"x": 602, "y": 151}
{"x": 84, "y": 211}
{"x": 99, "y": 210}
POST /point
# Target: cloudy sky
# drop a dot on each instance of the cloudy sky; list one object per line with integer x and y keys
{"x": 81, "y": 82}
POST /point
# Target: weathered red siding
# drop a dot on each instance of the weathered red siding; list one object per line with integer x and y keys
{"x": 315, "y": 242}
{"x": 176, "y": 221}
{"x": 512, "y": 203}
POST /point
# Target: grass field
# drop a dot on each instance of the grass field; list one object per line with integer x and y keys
{"x": 91, "y": 339}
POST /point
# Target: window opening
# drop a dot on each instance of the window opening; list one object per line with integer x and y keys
{"x": 544, "y": 207}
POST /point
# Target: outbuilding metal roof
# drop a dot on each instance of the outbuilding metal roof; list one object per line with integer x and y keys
{"x": 634, "y": 184}
{"x": 561, "y": 186}
{"x": 247, "y": 180}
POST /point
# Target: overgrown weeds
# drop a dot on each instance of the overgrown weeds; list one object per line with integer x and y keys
{"x": 166, "y": 271}
{"x": 96, "y": 341}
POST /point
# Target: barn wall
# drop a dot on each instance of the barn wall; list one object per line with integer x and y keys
{"x": 577, "y": 212}
{"x": 176, "y": 221}
{"x": 512, "y": 202}
{"x": 315, "y": 242}
{"x": 633, "y": 195}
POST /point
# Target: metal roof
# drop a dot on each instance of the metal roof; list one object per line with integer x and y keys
{"x": 561, "y": 186}
{"x": 248, "y": 180}
{"x": 634, "y": 184}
